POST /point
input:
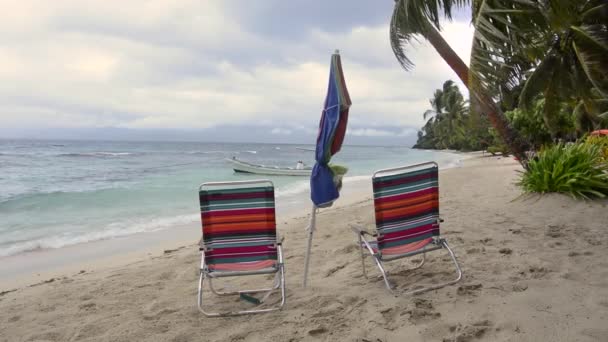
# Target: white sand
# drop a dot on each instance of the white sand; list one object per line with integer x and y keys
{"x": 536, "y": 269}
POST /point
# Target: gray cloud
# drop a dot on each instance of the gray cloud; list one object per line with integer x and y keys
{"x": 192, "y": 64}
{"x": 289, "y": 20}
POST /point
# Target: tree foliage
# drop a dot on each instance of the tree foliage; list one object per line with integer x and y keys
{"x": 450, "y": 124}
{"x": 413, "y": 19}
{"x": 554, "y": 49}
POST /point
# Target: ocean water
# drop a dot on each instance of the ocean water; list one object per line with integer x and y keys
{"x": 60, "y": 193}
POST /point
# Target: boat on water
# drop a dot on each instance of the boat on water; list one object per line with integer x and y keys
{"x": 305, "y": 149}
{"x": 240, "y": 166}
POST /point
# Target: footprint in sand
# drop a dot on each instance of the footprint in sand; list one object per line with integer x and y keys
{"x": 485, "y": 241}
{"x": 469, "y": 289}
{"x": 592, "y": 240}
{"x": 475, "y": 250}
{"x": 348, "y": 249}
{"x": 334, "y": 270}
{"x": 423, "y": 311}
{"x": 156, "y": 310}
{"x": 89, "y": 331}
{"x": 519, "y": 287}
{"x": 47, "y": 336}
{"x": 167, "y": 275}
{"x": 515, "y": 231}
{"x": 537, "y": 272}
{"x": 457, "y": 239}
{"x": 88, "y": 306}
{"x": 555, "y": 231}
{"x": 465, "y": 333}
{"x": 317, "y": 331}
{"x": 49, "y": 308}
{"x": 505, "y": 251}
{"x": 85, "y": 297}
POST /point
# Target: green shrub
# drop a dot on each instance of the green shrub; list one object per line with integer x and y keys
{"x": 602, "y": 142}
{"x": 338, "y": 170}
{"x": 574, "y": 169}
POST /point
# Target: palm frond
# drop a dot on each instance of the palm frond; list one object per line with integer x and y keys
{"x": 411, "y": 19}
{"x": 591, "y": 47}
{"x": 429, "y": 113}
{"x": 595, "y": 12}
{"x": 537, "y": 81}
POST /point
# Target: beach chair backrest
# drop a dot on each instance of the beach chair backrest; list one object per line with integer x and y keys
{"x": 238, "y": 222}
{"x": 406, "y": 202}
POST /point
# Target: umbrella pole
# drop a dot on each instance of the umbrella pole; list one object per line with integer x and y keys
{"x": 311, "y": 228}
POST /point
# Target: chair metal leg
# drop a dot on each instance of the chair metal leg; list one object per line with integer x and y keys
{"x": 445, "y": 245}
{"x": 362, "y": 255}
{"x": 364, "y": 244}
{"x": 421, "y": 263}
{"x": 282, "y": 277}
{"x": 201, "y": 283}
{"x": 376, "y": 257}
{"x": 384, "y": 273}
{"x": 279, "y": 282}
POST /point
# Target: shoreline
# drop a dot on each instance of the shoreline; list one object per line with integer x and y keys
{"x": 33, "y": 267}
{"x": 40, "y": 266}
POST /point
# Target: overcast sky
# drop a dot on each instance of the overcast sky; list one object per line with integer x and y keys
{"x": 210, "y": 64}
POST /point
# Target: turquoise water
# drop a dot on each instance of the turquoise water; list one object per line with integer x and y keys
{"x": 59, "y": 193}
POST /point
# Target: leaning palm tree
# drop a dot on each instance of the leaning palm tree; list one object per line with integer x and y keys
{"x": 557, "y": 49}
{"x": 420, "y": 18}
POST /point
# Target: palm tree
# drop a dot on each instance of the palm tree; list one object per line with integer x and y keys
{"x": 414, "y": 18}
{"x": 445, "y": 119}
{"x": 557, "y": 49}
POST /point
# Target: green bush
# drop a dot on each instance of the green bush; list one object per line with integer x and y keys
{"x": 574, "y": 169}
{"x": 338, "y": 170}
{"x": 601, "y": 142}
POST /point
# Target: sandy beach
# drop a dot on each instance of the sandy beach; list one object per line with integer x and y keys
{"x": 535, "y": 269}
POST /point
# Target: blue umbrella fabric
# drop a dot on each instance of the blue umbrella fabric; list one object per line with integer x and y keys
{"x": 332, "y": 129}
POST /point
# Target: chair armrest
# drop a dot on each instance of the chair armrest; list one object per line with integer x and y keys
{"x": 280, "y": 239}
{"x": 359, "y": 229}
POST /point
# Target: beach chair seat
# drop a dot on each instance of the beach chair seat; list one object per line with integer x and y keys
{"x": 406, "y": 206}
{"x": 240, "y": 239}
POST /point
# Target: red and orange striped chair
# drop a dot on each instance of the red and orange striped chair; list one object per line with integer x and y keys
{"x": 406, "y": 202}
{"x": 239, "y": 238}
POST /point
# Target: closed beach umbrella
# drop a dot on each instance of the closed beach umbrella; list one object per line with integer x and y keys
{"x": 332, "y": 129}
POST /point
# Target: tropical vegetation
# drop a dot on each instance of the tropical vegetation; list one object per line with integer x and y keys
{"x": 538, "y": 78}
{"x": 412, "y": 19}
{"x": 574, "y": 169}
{"x": 451, "y": 125}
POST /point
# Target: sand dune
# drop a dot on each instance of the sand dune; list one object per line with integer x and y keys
{"x": 535, "y": 269}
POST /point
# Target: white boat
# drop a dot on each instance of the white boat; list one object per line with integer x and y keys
{"x": 245, "y": 167}
{"x": 305, "y": 149}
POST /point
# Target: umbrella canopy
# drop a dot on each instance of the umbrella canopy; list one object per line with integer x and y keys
{"x": 332, "y": 129}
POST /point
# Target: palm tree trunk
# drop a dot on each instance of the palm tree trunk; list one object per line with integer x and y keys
{"x": 486, "y": 103}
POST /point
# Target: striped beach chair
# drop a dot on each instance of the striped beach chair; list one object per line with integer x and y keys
{"x": 240, "y": 239}
{"x": 406, "y": 203}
